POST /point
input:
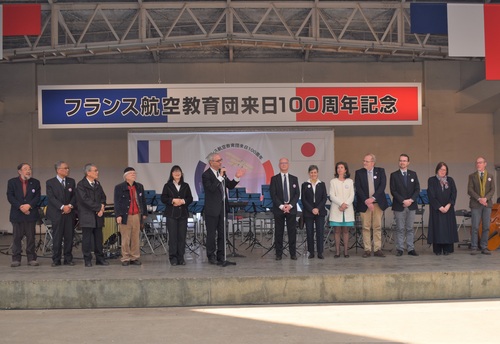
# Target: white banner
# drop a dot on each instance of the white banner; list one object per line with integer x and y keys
{"x": 153, "y": 155}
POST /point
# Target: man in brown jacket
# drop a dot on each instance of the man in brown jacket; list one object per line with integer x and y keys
{"x": 481, "y": 189}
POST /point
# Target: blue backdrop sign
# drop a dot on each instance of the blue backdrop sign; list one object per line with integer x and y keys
{"x": 66, "y": 107}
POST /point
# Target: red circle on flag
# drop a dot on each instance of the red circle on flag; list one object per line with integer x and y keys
{"x": 308, "y": 149}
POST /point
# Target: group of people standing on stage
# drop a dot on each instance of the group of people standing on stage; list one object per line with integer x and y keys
{"x": 65, "y": 197}
{"x": 366, "y": 195}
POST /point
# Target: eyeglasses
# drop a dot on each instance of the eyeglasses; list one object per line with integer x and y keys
{"x": 220, "y": 160}
{"x": 367, "y": 160}
{"x": 63, "y": 168}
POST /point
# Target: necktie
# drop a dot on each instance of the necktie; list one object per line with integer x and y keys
{"x": 92, "y": 184}
{"x": 63, "y": 183}
{"x": 405, "y": 178}
{"x": 285, "y": 189}
{"x": 482, "y": 174}
{"x": 371, "y": 184}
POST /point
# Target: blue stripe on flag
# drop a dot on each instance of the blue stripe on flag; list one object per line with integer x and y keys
{"x": 429, "y": 18}
{"x": 143, "y": 152}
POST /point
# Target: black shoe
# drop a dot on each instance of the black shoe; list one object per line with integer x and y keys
{"x": 293, "y": 257}
{"x": 102, "y": 262}
{"x": 366, "y": 254}
{"x": 220, "y": 262}
{"x": 486, "y": 252}
{"x": 135, "y": 262}
{"x": 379, "y": 254}
{"x": 311, "y": 255}
{"x": 320, "y": 256}
{"x": 15, "y": 264}
{"x": 126, "y": 263}
{"x": 212, "y": 261}
{"x": 446, "y": 253}
{"x": 69, "y": 263}
{"x": 399, "y": 253}
{"x": 182, "y": 262}
{"x": 278, "y": 257}
{"x": 54, "y": 264}
{"x": 413, "y": 253}
{"x": 88, "y": 264}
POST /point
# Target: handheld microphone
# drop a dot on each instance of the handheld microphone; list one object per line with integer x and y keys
{"x": 221, "y": 172}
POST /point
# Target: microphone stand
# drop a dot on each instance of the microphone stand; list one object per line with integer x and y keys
{"x": 225, "y": 262}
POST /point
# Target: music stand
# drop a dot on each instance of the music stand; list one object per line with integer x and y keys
{"x": 234, "y": 205}
{"x": 254, "y": 207}
{"x": 196, "y": 207}
{"x": 422, "y": 200}
{"x": 44, "y": 201}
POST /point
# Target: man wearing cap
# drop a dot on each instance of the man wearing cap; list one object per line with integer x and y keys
{"x": 130, "y": 212}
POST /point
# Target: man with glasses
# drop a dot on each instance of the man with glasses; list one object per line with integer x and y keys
{"x": 91, "y": 200}
{"x": 215, "y": 183}
{"x": 370, "y": 183}
{"x": 61, "y": 195}
{"x": 481, "y": 188}
{"x": 285, "y": 193}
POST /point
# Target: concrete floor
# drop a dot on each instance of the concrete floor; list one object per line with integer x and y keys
{"x": 409, "y": 322}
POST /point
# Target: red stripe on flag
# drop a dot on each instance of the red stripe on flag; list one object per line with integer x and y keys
{"x": 492, "y": 41}
{"x": 20, "y": 20}
{"x": 165, "y": 151}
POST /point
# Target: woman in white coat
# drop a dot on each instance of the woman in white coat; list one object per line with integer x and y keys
{"x": 341, "y": 210}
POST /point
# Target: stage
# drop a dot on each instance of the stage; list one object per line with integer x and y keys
{"x": 255, "y": 280}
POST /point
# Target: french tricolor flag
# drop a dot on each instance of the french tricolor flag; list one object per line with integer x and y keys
{"x": 473, "y": 30}
{"x": 159, "y": 151}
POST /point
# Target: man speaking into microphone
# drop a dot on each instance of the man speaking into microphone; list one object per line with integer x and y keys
{"x": 215, "y": 183}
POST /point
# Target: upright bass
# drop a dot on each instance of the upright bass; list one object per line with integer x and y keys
{"x": 494, "y": 235}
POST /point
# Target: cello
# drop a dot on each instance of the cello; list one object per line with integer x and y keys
{"x": 494, "y": 235}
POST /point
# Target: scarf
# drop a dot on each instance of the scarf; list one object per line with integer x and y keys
{"x": 443, "y": 181}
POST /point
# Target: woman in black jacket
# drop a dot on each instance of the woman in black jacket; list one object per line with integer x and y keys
{"x": 314, "y": 197}
{"x": 176, "y": 196}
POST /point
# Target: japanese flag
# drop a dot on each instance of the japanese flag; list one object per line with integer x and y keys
{"x": 308, "y": 149}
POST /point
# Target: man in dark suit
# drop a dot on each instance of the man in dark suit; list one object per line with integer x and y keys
{"x": 23, "y": 194}
{"x": 370, "y": 183}
{"x": 215, "y": 185}
{"x": 481, "y": 188}
{"x": 130, "y": 212}
{"x": 285, "y": 193}
{"x": 405, "y": 189}
{"x": 91, "y": 200}
{"x": 61, "y": 195}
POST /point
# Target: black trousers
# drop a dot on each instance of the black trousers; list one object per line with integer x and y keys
{"x": 215, "y": 228}
{"x": 317, "y": 222}
{"x": 279, "y": 232}
{"x": 62, "y": 230}
{"x": 177, "y": 230}
{"x": 20, "y": 230}
{"x": 92, "y": 237}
